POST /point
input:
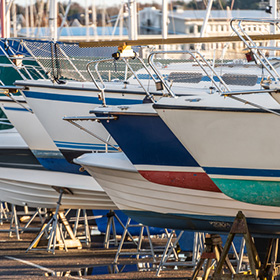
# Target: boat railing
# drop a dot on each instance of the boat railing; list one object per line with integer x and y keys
{"x": 258, "y": 52}
{"x": 56, "y": 60}
{"x": 101, "y": 85}
{"x": 17, "y": 62}
{"x": 199, "y": 59}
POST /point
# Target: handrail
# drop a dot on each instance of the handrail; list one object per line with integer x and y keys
{"x": 251, "y": 45}
{"x": 102, "y": 87}
{"x": 136, "y": 77}
{"x": 193, "y": 54}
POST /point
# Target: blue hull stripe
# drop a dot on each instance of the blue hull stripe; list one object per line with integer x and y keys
{"x": 77, "y": 143}
{"x": 15, "y": 109}
{"x": 242, "y": 171}
{"x": 83, "y": 146}
{"x": 80, "y": 99}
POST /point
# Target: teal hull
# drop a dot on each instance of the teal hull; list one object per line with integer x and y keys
{"x": 250, "y": 191}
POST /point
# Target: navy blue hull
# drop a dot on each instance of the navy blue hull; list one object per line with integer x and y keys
{"x": 209, "y": 224}
{"x": 19, "y": 158}
{"x": 60, "y": 164}
{"x": 147, "y": 140}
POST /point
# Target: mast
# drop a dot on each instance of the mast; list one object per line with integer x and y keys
{"x": 32, "y": 18}
{"x": 3, "y": 17}
{"x": 205, "y": 22}
{"x": 164, "y": 30}
{"x": 27, "y": 20}
{"x": 103, "y": 19}
{"x": 14, "y": 14}
{"x": 87, "y": 20}
{"x": 121, "y": 22}
{"x": 53, "y": 20}
{"x": 132, "y": 11}
{"x": 8, "y": 19}
{"x": 64, "y": 19}
{"x": 94, "y": 22}
{"x": 273, "y": 4}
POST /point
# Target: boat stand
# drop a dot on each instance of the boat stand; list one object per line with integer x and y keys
{"x": 111, "y": 225}
{"x": 139, "y": 251}
{"x": 86, "y": 237}
{"x": 54, "y": 228}
{"x": 4, "y": 210}
{"x": 111, "y": 238}
{"x": 214, "y": 251}
{"x": 198, "y": 246}
{"x": 239, "y": 226}
{"x": 15, "y": 221}
{"x": 267, "y": 270}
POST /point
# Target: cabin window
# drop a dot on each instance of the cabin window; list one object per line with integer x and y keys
{"x": 185, "y": 77}
{"x": 240, "y": 79}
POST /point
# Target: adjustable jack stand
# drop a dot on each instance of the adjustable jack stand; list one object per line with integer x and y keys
{"x": 212, "y": 251}
{"x": 111, "y": 224}
{"x": 53, "y": 228}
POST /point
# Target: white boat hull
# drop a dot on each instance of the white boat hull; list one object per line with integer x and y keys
{"x": 36, "y": 188}
{"x": 236, "y": 144}
{"x": 147, "y": 201}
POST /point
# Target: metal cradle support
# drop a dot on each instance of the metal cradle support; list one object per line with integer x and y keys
{"x": 15, "y": 225}
{"x": 4, "y": 210}
{"x": 139, "y": 251}
{"x": 111, "y": 226}
{"x": 86, "y": 237}
{"x": 171, "y": 246}
{"x": 198, "y": 245}
{"x": 14, "y": 220}
{"x": 54, "y": 228}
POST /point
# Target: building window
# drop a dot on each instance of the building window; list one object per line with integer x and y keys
{"x": 191, "y": 29}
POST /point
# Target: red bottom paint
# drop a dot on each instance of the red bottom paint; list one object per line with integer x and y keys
{"x": 188, "y": 180}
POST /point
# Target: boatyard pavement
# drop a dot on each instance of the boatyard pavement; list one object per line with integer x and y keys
{"x": 91, "y": 262}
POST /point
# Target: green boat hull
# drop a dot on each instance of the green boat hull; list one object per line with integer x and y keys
{"x": 250, "y": 191}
